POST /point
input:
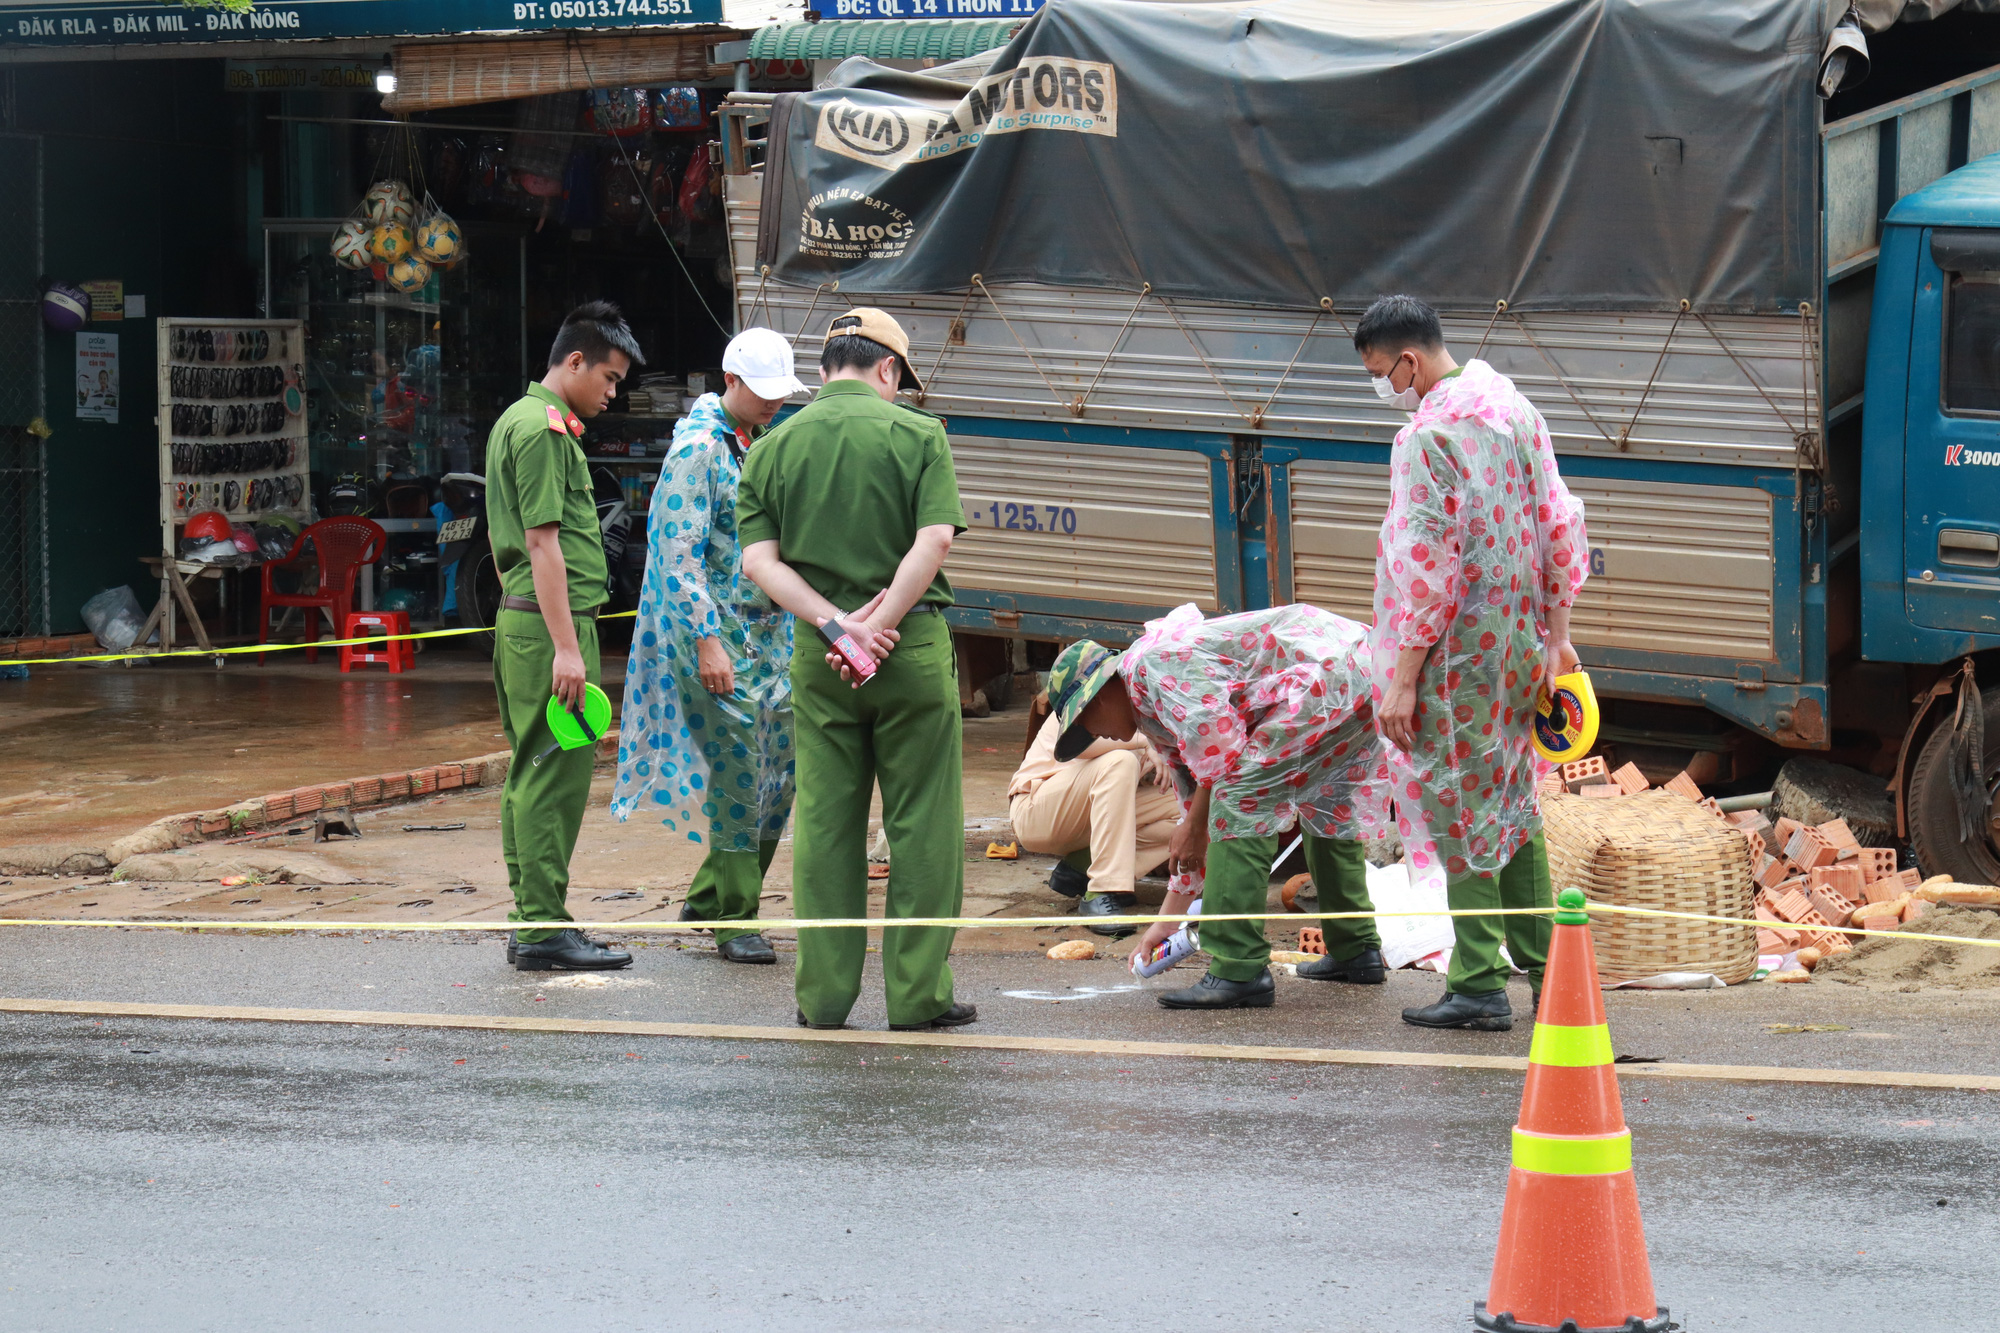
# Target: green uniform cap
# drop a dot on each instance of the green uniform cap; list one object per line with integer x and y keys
{"x": 1078, "y": 674}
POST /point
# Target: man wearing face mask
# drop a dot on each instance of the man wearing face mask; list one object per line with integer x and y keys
{"x": 1481, "y": 556}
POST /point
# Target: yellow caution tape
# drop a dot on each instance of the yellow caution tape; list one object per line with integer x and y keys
{"x": 1815, "y": 929}
{"x": 811, "y": 923}
{"x": 269, "y": 647}
{"x": 946, "y": 922}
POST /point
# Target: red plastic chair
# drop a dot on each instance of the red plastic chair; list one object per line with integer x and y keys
{"x": 343, "y": 546}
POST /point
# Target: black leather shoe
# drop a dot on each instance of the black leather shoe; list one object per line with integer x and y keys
{"x": 568, "y": 951}
{"x": 1113, "y": 906}
{"x": 513, "y": 943}
{"x": 955, "y": 1017}
{"x": 1536, "y": 1012}
{"x": 747, "y": 949}
{"x": 1481, "y": 1013}
{"x": 1213, "y": 992}
{"x": 1067, "y": 880}
{"x": 1363, "y": 969}
{"x": 689, "y": 914}
{"x": 816, "y": 1027}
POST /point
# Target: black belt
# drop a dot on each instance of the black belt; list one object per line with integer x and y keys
{"x": 512, "y": 603}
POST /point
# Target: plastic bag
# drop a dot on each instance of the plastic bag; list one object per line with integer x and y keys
{"x": 1398, "y": 889}
{"x": 115, "y": 617}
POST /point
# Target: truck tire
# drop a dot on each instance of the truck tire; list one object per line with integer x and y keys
{"x": 1933, "y": 807}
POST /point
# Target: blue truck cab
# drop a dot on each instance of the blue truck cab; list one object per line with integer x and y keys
{"x": 1930, "y": 503}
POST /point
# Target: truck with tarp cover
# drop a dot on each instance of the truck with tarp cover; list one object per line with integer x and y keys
{"x": 1130, "y": 247}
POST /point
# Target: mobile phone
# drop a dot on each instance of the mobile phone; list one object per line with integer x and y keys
{"x": 857, "y": 658}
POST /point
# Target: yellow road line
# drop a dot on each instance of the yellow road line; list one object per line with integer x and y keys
{"x": 975, "y": 1041}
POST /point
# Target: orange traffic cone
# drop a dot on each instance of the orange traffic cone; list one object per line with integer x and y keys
{"x": 1572, "y": 1256}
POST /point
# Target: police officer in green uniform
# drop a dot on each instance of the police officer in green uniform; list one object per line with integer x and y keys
{"x": 847, "y": 511}
{"x": 542, "y": 517}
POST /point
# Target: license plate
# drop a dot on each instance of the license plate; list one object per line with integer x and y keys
{"x": 457, "y": 530}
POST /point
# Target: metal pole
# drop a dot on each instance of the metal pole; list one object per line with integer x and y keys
{"x": 742, "y": 76}
{"x": 42, "y": 386}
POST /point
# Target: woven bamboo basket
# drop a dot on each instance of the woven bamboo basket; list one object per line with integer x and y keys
{"x": 1655, "y": 849}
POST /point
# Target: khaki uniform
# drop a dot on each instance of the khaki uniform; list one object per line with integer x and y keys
{"x": 1101, "y": 803}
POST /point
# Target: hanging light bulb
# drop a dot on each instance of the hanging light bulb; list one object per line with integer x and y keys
{"x": 385, "y": 77}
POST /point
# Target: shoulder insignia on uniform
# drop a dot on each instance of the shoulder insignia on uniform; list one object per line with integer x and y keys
{"x": 563, "y": 423}
{"x": 917, "y": 411}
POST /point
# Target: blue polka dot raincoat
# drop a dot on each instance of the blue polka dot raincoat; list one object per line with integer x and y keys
{"x": 718, "y": 770}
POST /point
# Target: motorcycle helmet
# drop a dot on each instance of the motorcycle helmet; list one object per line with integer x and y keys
{"x": 349, "y": 495}
{"x": 211, "y": 524}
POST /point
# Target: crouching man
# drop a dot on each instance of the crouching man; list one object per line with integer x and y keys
{"x": 1114, "y": 799}
{"x": 1264, "y": 721}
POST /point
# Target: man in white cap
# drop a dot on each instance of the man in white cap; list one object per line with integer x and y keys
{"x": 705, "y": 744}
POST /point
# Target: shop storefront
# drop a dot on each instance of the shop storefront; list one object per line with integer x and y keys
{"x": 544, "y": 196}
{"x": 200, "y": 165}
{"x": 199, "y": 178}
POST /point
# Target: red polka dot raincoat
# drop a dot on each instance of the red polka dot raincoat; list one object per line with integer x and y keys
{"x": 1480, "y": 539}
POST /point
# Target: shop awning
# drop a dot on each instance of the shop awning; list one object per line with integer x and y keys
{"x": 883, "y": 39}
{"x": 444, "y": 74}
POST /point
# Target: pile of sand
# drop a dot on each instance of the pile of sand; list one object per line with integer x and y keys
{"x": 1888, "y": 964}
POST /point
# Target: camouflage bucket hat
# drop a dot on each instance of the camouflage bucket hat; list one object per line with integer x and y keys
{"x": 1080, "y": 671}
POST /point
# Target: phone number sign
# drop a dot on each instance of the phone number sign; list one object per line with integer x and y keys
{"x": 106, "y": 23}
{"x": 924, "y": 9}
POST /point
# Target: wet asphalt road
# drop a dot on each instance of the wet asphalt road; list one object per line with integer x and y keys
{"x": 202, "y": 1175}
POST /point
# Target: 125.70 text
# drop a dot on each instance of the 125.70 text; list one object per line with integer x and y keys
{"x": 1009, "y": 517}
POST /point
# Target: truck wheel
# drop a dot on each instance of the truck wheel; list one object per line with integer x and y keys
{"x": 1933, "y": 807}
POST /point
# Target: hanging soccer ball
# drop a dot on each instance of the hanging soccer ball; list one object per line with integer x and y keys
{"x": 388, "y": 203}
{"x": 65, "y": 307}
{"x": 440, "y": 241}
{"x": 408, "y": 273}
{"x": 350, "y": 245}
{"x": 390, "y": 243}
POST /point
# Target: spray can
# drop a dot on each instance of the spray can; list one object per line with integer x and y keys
{"x": 1172, "y": 949}
{"x": 857, "y": 658}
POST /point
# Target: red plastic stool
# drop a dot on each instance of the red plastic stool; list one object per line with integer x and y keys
{"x": 397, "y": 654}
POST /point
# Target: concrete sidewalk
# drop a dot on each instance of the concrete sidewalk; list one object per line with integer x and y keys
{"x": 635, "y": 871}
{"x": 88, "y": 754}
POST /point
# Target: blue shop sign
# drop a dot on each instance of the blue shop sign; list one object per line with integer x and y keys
{"x": 924, "y": 9}
{"x": 107, "y": 23}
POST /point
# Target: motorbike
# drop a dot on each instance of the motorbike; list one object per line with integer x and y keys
{"x": 465, "y": 540}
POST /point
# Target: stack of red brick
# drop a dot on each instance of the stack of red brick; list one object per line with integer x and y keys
{"x": 1809, "y": 877}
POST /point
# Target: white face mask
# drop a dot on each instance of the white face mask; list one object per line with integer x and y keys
{"x": 1385, "y": 389}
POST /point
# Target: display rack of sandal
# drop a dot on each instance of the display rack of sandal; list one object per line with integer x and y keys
{"x": 232, "y": 442}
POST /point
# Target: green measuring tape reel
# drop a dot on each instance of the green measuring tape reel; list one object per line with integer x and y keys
{"x": 575, "y": 728}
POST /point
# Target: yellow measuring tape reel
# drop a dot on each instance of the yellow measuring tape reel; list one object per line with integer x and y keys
{"x": 1566, "y": 718}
